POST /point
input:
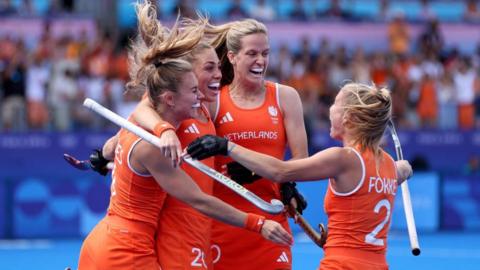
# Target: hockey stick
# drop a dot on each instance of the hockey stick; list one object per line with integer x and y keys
{"x": 407, "y": 203}
{"x": 83, "y": 165}
{"x": 275, "y": 207}
{"x": 317, "y": 238}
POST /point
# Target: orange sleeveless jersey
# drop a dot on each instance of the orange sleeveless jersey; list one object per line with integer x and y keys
{"x": 260, "y": 129}
{"x": 360, "y": 220}
{"x": 183, "y": 241}
{"x": 133, "y": 196}
{"x": 125, "y": 238}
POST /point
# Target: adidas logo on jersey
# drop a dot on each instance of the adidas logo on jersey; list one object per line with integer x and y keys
{"x": 283, "y": 257}
{"x": 226, "y": 118}
{"x": 192, "y": 129}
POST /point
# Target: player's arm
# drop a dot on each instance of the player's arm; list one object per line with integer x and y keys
{"x": 178, "y": 184}
{"x": 293, "y": 120}
{"x": 330, "y": 162}
{"x": 146, "y": 116}
{"x": 324, "y": 164}
{"x": 108, "y": 149}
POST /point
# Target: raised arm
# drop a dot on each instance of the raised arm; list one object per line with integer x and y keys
{"x": 146, "y": 116}
{"x": 178, "y": 184}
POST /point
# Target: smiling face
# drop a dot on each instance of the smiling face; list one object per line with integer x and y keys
{"x": 337, "y": 112}
{"x": 206, "y": 67}
{"x": 250, "y": 63}
{"x": 187, "y": 98}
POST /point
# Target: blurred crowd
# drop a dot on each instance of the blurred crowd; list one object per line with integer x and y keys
{"x": 42, "y": 88}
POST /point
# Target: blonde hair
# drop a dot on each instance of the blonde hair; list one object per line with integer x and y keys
{"x": 368, "y": 110}
{"x": 228, "y": 37}
{"x": 155, "y": 55}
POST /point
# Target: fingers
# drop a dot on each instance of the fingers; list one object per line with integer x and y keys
{"x": 273, "y": 231}
{"x": 281, "y": 236}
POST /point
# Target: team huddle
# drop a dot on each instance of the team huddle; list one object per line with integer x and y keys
{"x": 204, "y": 90}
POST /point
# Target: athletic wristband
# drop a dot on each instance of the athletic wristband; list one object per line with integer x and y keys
{"x": 162, "y": 127}
{"x": 254, "y": 222}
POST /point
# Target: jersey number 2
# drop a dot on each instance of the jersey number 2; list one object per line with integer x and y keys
{"x": 371, "y": 237}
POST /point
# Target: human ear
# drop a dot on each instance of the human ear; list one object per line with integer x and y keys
{"x": 167, "y": 98}
{"x": 231, "y": 57}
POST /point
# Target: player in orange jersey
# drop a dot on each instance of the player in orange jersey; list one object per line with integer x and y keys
{"x": 183, "y": 240}
{"x": 142, "y": 175}
{"x": 363, "y": 179}
{"x": 257, "y": 114}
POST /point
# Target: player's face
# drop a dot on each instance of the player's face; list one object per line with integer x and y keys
{"x": 207, "y": 70}
{"x": 337, "y": 128}
{"x": 250, "y": 63}
{"x": 187, "y": 99}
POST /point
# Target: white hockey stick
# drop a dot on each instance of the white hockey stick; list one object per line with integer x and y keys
{"x": 275, "y": 207}
{"x": 407, "y": 203}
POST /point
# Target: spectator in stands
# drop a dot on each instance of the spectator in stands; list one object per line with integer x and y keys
{"x": 236, "y": 11}
{"x": 262, "y": 11}
{"x": 334, "y": 12}
{"x": 431, "y": 39}
{"x": 399, "y": 34}
{"x": 13, "y": 99}
{"x": 465, "y": 79}
{"x": 472, "y": 13}
{"x": 447, "y": 104}
{"x": 360, "y": 67}
{"x": 38, "y": 75}
{"x": 298, "y": 13}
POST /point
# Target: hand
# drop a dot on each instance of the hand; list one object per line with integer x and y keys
{"x": 291, "y": 196}
{"x": 404, "y": 170}
{"x": 274, "y": 232}
{"x": 208, "y": 146}
{"x": 98, "y": 162}
{"x": 240, "y": 174}
{"x": 170, "y": 146}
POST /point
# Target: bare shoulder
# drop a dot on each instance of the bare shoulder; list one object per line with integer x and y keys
{"x": 148, "y": 155}
{"x": 285, "y": 90}
{"x": 289, "y": 98}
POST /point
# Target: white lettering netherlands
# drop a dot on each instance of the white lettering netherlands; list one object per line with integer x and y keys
{"x": 382, "y": 185}
{"x": 246, "y": 135}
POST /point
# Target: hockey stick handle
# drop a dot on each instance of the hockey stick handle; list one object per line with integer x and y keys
{"x": 318, "y": 238}
{"x": 407, "y": 202}
{"x": 273, "y": 208}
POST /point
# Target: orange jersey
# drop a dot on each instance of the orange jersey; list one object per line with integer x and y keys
{"x": 183, "y": 239}
{"x": 260, "y": 129}
{"x": 133, "y": 196}
{"x": 360, "y": 219}
{"x": 125, "y": 238}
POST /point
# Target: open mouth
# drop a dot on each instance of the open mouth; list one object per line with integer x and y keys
{"x": 214, "y": 86}
{"x": 257, "y": 71}
{"x": 196, "y": 105}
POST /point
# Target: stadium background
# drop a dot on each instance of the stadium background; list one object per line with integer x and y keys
{"x": 55, "y": 53}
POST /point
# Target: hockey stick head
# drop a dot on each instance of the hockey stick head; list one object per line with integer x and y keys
{"x": 79, "y": 164}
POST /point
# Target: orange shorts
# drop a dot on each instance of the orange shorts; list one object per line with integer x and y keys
{"x": 183, "y": 240}
{"x": 352, "y": 259}
{"x": 237, "y": 248}
{"x": 116, "y": 243}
